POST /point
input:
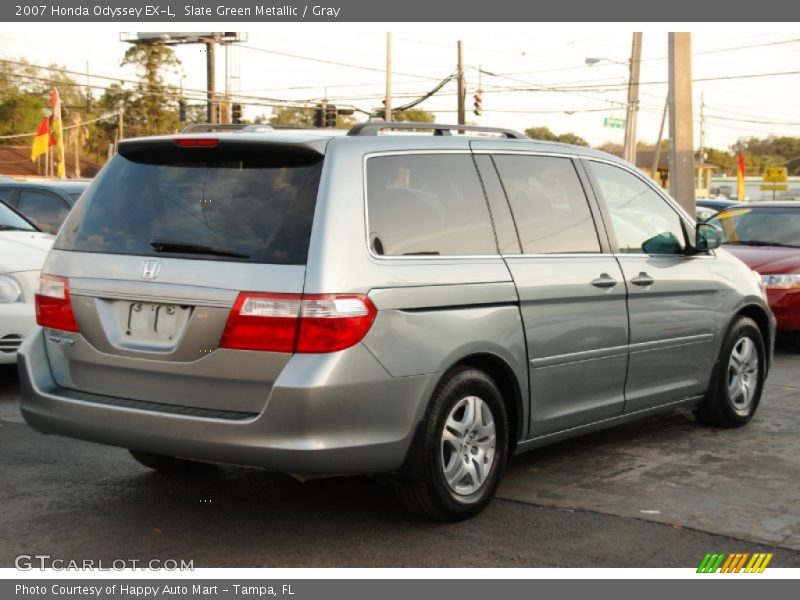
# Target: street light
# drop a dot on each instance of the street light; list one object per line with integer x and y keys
{"x": 633, "y": 93}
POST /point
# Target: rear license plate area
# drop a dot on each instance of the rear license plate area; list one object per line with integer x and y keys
{"x": 155, "y": 322}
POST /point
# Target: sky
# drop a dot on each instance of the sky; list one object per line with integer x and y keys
{"x": 532, "y": 74}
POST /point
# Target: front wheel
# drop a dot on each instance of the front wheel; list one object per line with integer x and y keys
{"x": 461, "y": 455}
{"x": 734, "y": 396}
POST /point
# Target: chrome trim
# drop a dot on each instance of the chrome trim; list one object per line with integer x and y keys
{"x": 615, "y": 351}
{"x": 670, "y": 343}
{"x": 576, "y": 357}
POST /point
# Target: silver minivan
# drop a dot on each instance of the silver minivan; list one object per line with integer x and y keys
{"x": 419, "y": 307}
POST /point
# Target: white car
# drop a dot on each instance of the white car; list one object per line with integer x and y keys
{"x": 23, "y": 249}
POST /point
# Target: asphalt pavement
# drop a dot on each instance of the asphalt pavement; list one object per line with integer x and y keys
{"x": 658, "y": 493}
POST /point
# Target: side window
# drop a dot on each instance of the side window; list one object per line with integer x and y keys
{"x": 43, "y": 208}
{"x": 549, "y": 205}
{"x": 5, "y": 195}
{"x": 642, "y": 220}
{"x": 429, "y": 204}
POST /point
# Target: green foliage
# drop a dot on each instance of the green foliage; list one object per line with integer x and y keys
{"x": 291, "y": 116}
{"x": 153, "y": 108}
{"x": 415, "y": 115}
{"x": 544, "y": 134}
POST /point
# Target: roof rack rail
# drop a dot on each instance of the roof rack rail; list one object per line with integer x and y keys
{"x": 373, "y": 127}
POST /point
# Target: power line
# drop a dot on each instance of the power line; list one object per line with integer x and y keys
{"x": 334, "y": 62}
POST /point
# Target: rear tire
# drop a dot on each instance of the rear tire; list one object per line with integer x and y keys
{"x": 168, "y": 464}
{"x": 736, "y": 392}
{"x": 457, "y": 462}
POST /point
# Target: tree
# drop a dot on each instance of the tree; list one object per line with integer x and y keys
{"x": 302, "y": 116}
{"x": 152, "y": 108}
{"x": 415, "y": 115}
{"x": 611, "y": 147}
{"x": 544, "y": 134}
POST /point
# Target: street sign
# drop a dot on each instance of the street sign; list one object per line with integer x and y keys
{"x": 775, "y": 187}
{"x": 775, "y": 175}
{"x": 614, "y": 123}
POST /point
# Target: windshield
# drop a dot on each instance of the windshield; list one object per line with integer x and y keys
{"x": 235, "y": 207}
{"x": 11, "y": 221}
{"x": 764, "y": 226}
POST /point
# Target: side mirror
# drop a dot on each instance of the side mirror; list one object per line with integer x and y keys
{"x": 708, "y": 237}
{"x": 663, "y": 243}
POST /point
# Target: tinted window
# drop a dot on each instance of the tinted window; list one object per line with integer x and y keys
{"x": 43, "y": 208}
{"x": 253, "y": 208}
{"x": 760, "y": 225}
{"x": 5, "y": 195}
{"x": 427, "y": 204}
{"x": 642, "y": 220}
{"x": 549, "y": 204}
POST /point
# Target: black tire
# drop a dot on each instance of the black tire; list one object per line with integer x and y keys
{"x": 168, "y": 464}
{"x": 723, "y": 407}
{"x": 427, "y": 492}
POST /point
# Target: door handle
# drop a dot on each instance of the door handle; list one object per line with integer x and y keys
{"x": 605, "y": 281}
{"x": 643, "y": 280}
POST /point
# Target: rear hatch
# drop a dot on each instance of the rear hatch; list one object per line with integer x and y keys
{"x": 155, "y": 255}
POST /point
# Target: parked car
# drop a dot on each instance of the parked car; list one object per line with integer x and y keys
{"x": 418, "y": 308}
{"x": 45, "y": 202}
{"x": 766, "y": 236}
{"x": 22, "y": 252}
{"x": 705, "y": 208}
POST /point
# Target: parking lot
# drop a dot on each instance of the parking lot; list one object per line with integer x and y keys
{"x": 660, "y": 492}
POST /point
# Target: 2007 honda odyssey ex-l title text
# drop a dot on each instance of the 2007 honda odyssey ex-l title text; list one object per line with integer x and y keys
{"x": 415, "y": 306}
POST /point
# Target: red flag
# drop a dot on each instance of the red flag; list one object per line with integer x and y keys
{"x": 42, "y": 140}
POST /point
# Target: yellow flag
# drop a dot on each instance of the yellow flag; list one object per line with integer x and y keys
{"x": 58, "y": 134}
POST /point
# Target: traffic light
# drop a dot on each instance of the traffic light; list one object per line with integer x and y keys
{"x": 236, "y": 113}
{"x": 89, "y": 101}
{"x": 319, "y": 116}
{"x": 182, "y": 109}
{"x": 330, "y": 115}
{"x": 476, "y": 106}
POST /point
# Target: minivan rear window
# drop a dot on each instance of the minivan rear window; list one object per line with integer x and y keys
{"x": 253, "y": 207}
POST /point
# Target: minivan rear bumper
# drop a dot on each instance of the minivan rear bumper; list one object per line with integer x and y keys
{"x": 327, "y": 414}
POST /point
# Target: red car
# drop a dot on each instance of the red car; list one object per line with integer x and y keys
{"x": 766, "y": 237}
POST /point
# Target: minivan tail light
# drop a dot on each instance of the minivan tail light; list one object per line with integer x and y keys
{"x": 309, "y": 323}
{"x": 53, "y": 306}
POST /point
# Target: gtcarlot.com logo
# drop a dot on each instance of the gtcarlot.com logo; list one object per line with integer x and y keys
{"x": 29, "y": 562}
{"x": 738, "y": 562}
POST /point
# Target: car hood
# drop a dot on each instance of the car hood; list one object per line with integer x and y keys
{"x": 767, "y": 259}
{"x": 23, "y": 250}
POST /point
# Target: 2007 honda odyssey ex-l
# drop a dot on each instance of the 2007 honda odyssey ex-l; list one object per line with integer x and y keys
{"x": 419, "y": 307}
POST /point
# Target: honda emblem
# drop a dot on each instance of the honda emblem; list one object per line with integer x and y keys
{"x": 151, "y": 268}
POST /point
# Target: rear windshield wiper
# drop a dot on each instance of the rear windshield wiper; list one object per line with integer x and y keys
{"x": 190, "y": 248}
{"x": 759, "y": 243}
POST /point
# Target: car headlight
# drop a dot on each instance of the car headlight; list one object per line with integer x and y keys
{"x": 9, "y": 290}
{"x": 790, "y": 280}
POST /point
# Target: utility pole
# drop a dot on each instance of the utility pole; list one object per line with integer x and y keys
{"x": 387, "y": 113}
{"x": 462, "y": 88}
{"x": 211, "y": 113}
{"x": 657, "y": 153}
{"x": 633, "y": 98}
{"x": 681, "y": 153}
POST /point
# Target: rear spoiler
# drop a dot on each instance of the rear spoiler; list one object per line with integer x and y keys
{"x": 215, "y": 146}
